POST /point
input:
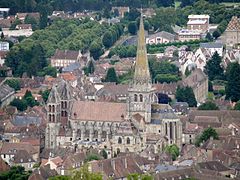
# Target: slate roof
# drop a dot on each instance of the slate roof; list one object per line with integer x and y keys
{"x": 26, "y": 120}
{"x": 196, "y": 77}
{"x": 13, "y": 148}
{"x": 98, "y": 111}
{"x": 163, "y": 34}
{"x": 5, "y": 91}
{"x": 162, "y": 111}
{"x": 211, "y": 45}
{"x": 72, "y": 67}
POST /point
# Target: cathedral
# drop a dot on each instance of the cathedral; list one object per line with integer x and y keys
{"x": 140, "y": 123}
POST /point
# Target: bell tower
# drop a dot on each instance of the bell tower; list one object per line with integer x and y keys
{"x": 141, "y": 91}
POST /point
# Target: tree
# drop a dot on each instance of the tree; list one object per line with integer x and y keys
{"x": 96, "y": 50}
{"x": 216, "y": 34}
{"x": 31, "y": 20}
{"x": 132, "y": 15}
{"x": 213, "y": 68}
{"x": 13, "y": 83}
{"x": 233, "y": 82}
{"x": 186, "y": 94}
{"x": 165, "y": 3}
{"x": 209, "y": 37}
{"x": 104, "y": 154}
{"x": 28, "y": 97}
{"x": 111, "y": 75}
{"x": 187, "y": 72}
{"x": 107, "y": 39}
{"x": 21, "y": 105}
{"x": 92, "y": 157}
{"x": 209, "y": 105}
{"x": 237, "y": 106}
{"x": 43, "y": 17}
{"x": 207, "y": 133}
{"x": 173, "y": 150}
{"x": 90, "y": 68}
{"x": 45, "y": 95}
{"x": 16, "y": 172}
{"x": 136, "y": 176}
{"x": 132, "y": 28}
{"x": 84, "y": 174}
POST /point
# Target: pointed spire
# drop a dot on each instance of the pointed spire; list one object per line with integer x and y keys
{"x": 142, "y": 73}
{"x": 54, "y": 96}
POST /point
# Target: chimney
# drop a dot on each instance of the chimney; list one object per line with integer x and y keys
{"x": 125, "y": 163}
{"x": 113, "y": 164}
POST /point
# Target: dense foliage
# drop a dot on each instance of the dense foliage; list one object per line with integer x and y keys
{"x": 213, "y": 68}
{"x": 111, "y": 75}
{"x": 207, "y": 133}
{"x": 13, "y": 83}
{"x": 27, "y": 101}
{"x": 16, "y": 172}
{"x": 173, "y": 150}
{"x": 233, "y": 82}
{"x": 209, "y": 105}
{"x": 185, "y": 94}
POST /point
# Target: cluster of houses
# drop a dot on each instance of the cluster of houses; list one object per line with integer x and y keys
{"x": 23, "y": 134}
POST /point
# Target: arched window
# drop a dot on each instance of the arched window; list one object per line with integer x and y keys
{"x": 141, "y": 98}
{"x": 53, "y": 108}
{"x": 65, "y": 106}
{"x": 49, "y": 108}
{"x": 61, "y": 104}
{"x": 50, "y": 118}
{"x": 135, "y": 98}
{"x": 128, "y": 140}
{"x": 53, "y": 118}
{"x": 119, "y": 140}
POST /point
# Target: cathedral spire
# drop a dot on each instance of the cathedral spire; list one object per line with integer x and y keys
{"x": 142, "y": 74}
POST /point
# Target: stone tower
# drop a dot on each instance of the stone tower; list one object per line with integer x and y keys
{"x": 53, "y": 118}
{"x": 141, "y": 91}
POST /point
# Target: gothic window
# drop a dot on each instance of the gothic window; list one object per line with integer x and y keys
{"x": 128, "y": 140}
{"x": 61, "y": 104}
{"x": 141, "y": 98}
{"x": 50, "y": 117}
{"x": 53, "y": 118}
{"x": 119, "y": 140}
{"x": 135, "y": 98}
{"x": 65, "y": 104}
{"x": 49, "y": 108}
{"x": 53, "y": 108}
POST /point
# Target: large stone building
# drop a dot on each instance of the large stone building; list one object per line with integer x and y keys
{"x": 118, "y": 127}
{"x": 231, "y": 36}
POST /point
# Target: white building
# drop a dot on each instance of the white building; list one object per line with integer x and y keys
{"x": 213, "y": 47}
{"x": 187, "y": 35}
{"x": 4, "y": 46}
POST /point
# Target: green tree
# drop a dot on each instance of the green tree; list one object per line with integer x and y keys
{"x": 107, "y": 39}
{"x": 15, "y": 172}
{"x": 13, "y": 83}
{"x": 173, "y": 150}
{"x": 96, "y": 50}
{"x": 90, "y": 68}
{"x": 207, "y": 133}
{"x": 104, "y": 154}
{"x": 187, "y": 72}
{"x": 31, "y": 20}
{"x": 111, "y": 75}
{"x": 21, "y": 105}
{"x": 43, "y": 17}
{"x": 50, "y": 71}
{"x": 92, "y": 157}
{"x": 136, "y": 176}
{"x": 28, "y": 97}
{"x": 213, "y": 68}
{"x": 237, "y": 106}
{"x": 45, "y": 95}
{"x": 84, "y": 174}
{"x": 216, "y": 34}
{"x": 132, "y": 28}
{"x": 233, "y": 82}
{"x": 209, "y": 105}
{"x": 186, "y": 94}
{"x": 209, "y": 37}
{"x": 60, "y": 178}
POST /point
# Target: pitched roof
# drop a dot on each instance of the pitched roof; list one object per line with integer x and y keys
{"x": 22, "y": 156}
{"x": 72, "y": 67}
{"x": 213, "y": 165}
{"x": 195, "y": 78}
{"x": 5, "y": 91}
{"x": 98, "y": 111}
{"x": 53, "y": 96}
{"x": 12, "y": 148}
{"x": 66, "y": 54}
{"x": 73, "y": 160}
{"x": 26, "y": 120}
{"x": 211, "y": 45}
{"x": 234, "y": 24}
{"x": 42, "y": 173}
{"x": 3, "y": 165}
{"x": 163, "y": 34}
